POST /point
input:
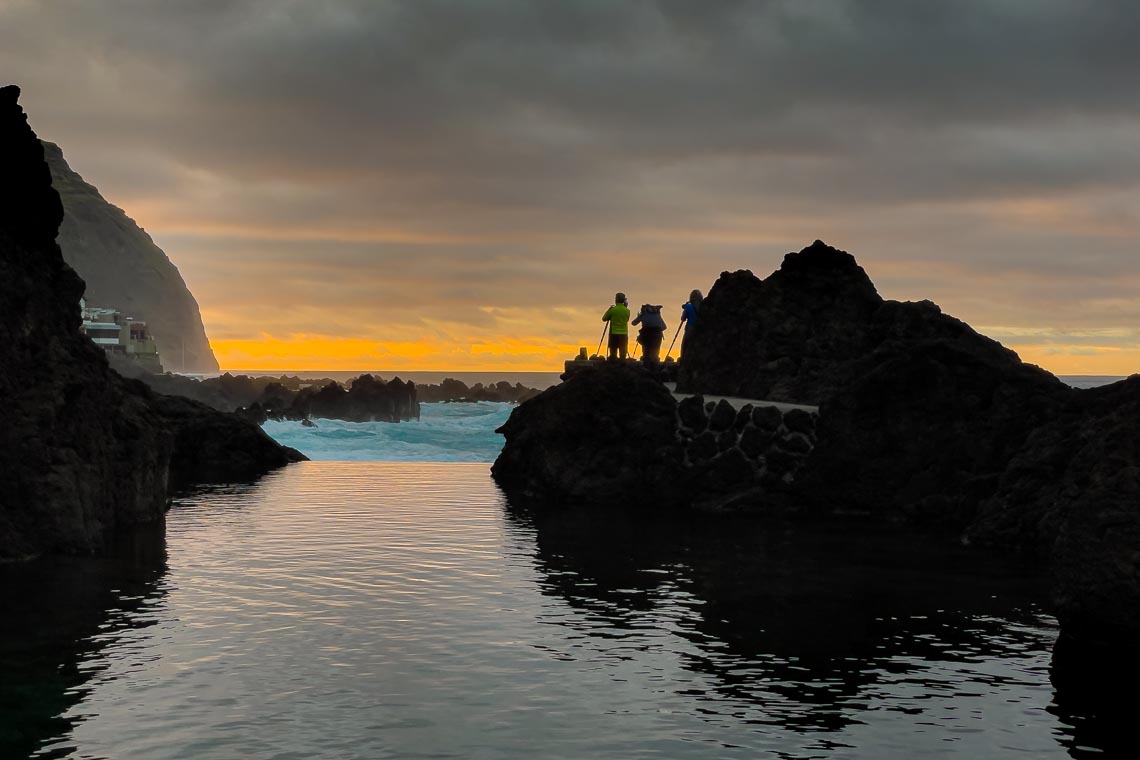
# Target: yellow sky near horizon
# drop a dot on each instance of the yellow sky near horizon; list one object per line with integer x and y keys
{"x": 314, "y": 353}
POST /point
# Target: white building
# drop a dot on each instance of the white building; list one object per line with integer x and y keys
{"x": 116, "y": 334}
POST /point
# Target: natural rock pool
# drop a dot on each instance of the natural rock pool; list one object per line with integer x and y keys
{"x": 375, "y": 610}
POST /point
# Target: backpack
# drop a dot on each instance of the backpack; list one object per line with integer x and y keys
{"x": 651, "y": 318}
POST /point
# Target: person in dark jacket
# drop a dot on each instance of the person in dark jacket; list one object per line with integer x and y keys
{"x": 689, "y": 316}
{"x": 651, "y": 334}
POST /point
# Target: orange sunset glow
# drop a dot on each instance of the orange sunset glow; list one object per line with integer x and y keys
{"x": 337, "y": 197}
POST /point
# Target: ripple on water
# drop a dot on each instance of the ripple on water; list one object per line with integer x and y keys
{"x": 404, "y": 610}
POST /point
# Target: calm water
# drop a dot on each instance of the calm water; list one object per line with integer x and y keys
{"x": 398, "y": 610}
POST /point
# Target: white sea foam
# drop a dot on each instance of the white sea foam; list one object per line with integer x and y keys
{"x": 459, "y": 432}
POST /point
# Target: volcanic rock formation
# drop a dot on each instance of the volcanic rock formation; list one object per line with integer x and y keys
{"x": 82, "y": 450}
{"x": 367, "y": 399}
{"x": 921, "y": 421}
{"x": 919, "y": 413}
{"x": 608, "y": 434}
{"x": 125, "y": 270}
{"x": 613, "y": 432}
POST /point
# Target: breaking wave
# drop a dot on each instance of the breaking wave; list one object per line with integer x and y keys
{"x": 457, "y": 432}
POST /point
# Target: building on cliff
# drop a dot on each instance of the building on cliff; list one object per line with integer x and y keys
{"x": 122, "y": 265}
{"x": 117, "y": 334}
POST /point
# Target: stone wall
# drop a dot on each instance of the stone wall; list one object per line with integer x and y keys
{"x": 736, "y": 456}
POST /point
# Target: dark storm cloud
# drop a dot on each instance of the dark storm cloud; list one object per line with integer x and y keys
{"x": 1000, "y": 137}
{"x": 512, "y": 90}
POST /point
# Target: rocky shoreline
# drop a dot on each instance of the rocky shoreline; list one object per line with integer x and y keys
{"x": 84, "y": 452}
{"x": 921, "y": 422}
{"x": 363, "y": 399}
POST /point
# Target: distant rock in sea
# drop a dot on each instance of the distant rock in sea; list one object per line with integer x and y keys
{"x": 83, "y": 451}
{"x": 125, "y": 270}
{"x": 451, "y": 390}
{"x": 366, "y": 399}
{"x": 363, "y": 399}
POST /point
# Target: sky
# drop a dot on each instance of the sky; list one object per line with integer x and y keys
{"x": 363, "y": 184}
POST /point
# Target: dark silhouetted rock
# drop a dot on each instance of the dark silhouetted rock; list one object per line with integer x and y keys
{"x": 797, "y": 443}
{"x": 723, "y": 416}
{"x": 366, "y": 400}
{"x": 921, "y": 421}
{"x": 925, "y": 428}
{"x": 767, "y": 417}
{"x": 452, "y": 390}
{"x": 799, "y": 421}
{"x": 215, "y": 447}
{"x": 1073, "y": 493}
{"x": 722, "y": 480}
{"x": 704, "y": 447}
{"x": 743, "y": 418}
{"x": 919, "y": 413}
{"x": 691, "y": 411}
{"x": 83, "y": 451}
{"x": 254, "y": 413}
{"x": 603, "y": 434}
{"x": 755, "y": 442}
{"x": 786, "y": 338}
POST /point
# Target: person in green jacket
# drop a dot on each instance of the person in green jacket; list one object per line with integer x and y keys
{"x": 618, "y": 317}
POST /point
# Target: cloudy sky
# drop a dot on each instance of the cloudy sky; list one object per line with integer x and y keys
{"x": 463, "y": 185}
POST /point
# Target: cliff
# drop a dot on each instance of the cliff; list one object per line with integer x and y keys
{"x": 82, "y": 450}
{"x": 124, "y": 269}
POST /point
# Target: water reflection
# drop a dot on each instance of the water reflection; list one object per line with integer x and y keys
{"x": 1096, "y": 695}
{"x": 60, "y": 616}
{"x": 815, "y": 630}
{"x": 354, "y": 610}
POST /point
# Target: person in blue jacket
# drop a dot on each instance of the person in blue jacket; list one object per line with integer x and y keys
{"x": 689, "y": 316}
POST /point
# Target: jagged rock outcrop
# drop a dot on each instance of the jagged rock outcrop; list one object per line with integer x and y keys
{"x": 82, "y": 450}
{"x": 451, "y": 390}
{"x": 921, "y": 421}
{"x": 606, "y": 436}
{"x": 919, "y": 414}
{"x": 928, "y": 421}
{"x": 613, "y": 431}
{"x": 367, "y": 399}
{"x": 1072, "y": 493}
{"x": 125, "y": 270}
{"x": 226, "y": 393}
{"x": 790, "y": 337}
